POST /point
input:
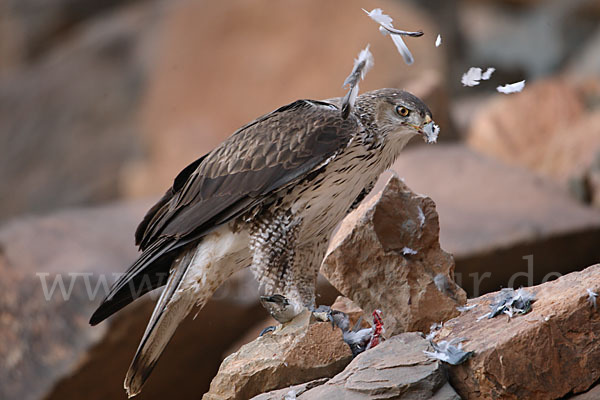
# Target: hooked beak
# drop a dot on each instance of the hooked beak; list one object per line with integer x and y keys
{"x": 429, "y": 129}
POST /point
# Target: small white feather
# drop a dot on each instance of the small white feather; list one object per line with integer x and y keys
{"x": 511, "y": 87}
{"x": 378, "y": 16}
{"x": 474, "y": 75}
{"x": 387, "y": 28}
{"x": 592, "y": 297}
{"x": 408, "y": 251}
{"x": 471, "y": 77}
{"x": 466, "y": 308}
{"x": 403, "y": 49}
{"x": 362, "y": 65}
{"x": 421, "y": 216}
{"x": 487, "y": 74}
{"x": 431, "y": 132}
{"x": 438, "y": 40}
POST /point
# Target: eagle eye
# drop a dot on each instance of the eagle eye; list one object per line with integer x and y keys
{"x": 402, "y": 111}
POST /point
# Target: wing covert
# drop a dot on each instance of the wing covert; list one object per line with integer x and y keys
{"x": 260, "y": 158}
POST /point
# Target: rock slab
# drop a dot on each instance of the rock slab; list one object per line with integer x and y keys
{"x": 396, "y": 369}
{"x": 552, "y": 351}
{"x": 302, "y": 350}
{"x": 386, "y": 255}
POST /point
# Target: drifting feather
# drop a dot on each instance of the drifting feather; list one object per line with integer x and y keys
{"x": 447, "y": 352}
{"x": 487, "y": 74}
{"x": 474, "y": 75}
{"x": 511, "y": 87}
{"x": 438, "y": 40}
{"x": 592, "y": 297}
{"x": 386, "y": 27}
{"x": 362, "y": 65}
{"x": 431, "y": 132}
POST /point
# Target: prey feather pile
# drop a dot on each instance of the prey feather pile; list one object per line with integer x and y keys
{"x": 386, "y": 28}
{"x": 358, "y": 339}
{"x": 510, "y": 302}
{"x": 447, "y": 352}
{"x": 362, "y": 65}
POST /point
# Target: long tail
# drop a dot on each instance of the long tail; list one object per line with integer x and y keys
{"x": 171, "y": 308}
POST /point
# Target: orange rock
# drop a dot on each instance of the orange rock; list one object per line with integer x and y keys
{"x": 302, "y": 350}
{"x": 519, "y": 128}
{"x": 386, "y": 255}
{"x": 545, "y": 354}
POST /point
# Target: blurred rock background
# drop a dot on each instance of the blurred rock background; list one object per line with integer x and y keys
{"x": 102, "y": 103}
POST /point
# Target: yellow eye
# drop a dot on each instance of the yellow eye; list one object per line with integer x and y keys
{"x": 402, "y": 111}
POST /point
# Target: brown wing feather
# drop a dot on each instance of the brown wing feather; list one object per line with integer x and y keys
{"x": 263, "y": 157}
{"x": 256, "y": 160}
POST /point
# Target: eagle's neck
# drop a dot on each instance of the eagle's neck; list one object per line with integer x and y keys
{"x": 371, "y": 136}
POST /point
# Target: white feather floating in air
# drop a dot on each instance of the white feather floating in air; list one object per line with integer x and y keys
{"x": 438, "y": 40}
{"x": 362, "y": 65}
{"x": 474, "y": 75}
{"x": 487, "y": 74}
{"x": 511, "y": 87}
{"x": 386, "y": 28}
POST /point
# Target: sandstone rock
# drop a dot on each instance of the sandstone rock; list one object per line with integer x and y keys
{"x": 301, "y": 351}
{"x": 493, "y": 215}
{"x": 516, "y": 128}
{"x": 545, "y": 128}
{"x": 47, "y": 348}
{"x": 545, "y": 354}
{"x": 397, "y": 369}
{"x": 386, "y": 255}
{"x": 592, "y": 394}
{"x": 195, "y": 101}
{"x": 296, "y": 389}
